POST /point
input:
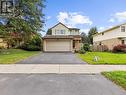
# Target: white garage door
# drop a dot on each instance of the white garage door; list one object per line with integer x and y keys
{"x": 58, "y": 45}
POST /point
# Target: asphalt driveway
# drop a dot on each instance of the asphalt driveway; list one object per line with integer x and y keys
{"x": 57, "y": 84}
{"x": 53, "y": 58}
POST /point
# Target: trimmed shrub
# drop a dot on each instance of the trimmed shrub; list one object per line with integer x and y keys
{"x": 81, "y": 51}
{"x": 30, "y": 47}
{"x": 86, "y": 47}
{"x": 119, "y": 48}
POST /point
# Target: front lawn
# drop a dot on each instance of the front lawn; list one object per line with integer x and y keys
{"x": 104, "y": 58}
{"x": 118, "y": 77}
{"x": 14, "y": 55}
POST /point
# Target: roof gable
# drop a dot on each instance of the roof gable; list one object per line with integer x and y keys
{"x": 59, "y": 24}
{"x": 64, "y": 26}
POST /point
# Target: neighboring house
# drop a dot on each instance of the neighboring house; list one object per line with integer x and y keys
{"x": 3, "y": 44}
{"x": 62, "y": 39}
{"x": 111, "y": 37}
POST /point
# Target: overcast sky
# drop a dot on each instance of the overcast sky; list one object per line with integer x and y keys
{"x": 85, "y": 14}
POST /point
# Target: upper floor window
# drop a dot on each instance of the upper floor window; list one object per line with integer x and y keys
{"x": 100, "y": 43}
{"x": 62, "y": 31}
{"x": 123, "y": 29}
{"x": 56, "y": 31}
{"x": 123, "y": 42}
{"x": 102, "y": 33}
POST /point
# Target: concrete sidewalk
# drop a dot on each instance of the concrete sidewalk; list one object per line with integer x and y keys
{"x": 58, "y": 68}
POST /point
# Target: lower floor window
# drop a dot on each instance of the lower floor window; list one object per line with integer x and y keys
{"x": 123, "y": 41}
{"x": 100, "y": 43}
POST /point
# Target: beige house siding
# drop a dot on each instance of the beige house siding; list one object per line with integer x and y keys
{"x": 74, "y": 32}
{"x": 2, "y": 43}
{"x": 109, "y": 43}
{"x": 77, "y": 45}
{"x": 110, "y": 34}
{"x": 1, "y": 40}
{"x": 68, "y": 31}
{"x": 59, "y": 27}
{"x": 110, "y": 37}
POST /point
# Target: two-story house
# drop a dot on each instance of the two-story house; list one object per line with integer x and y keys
{"x": 111, "y": 37}
{"x": 62, "y": 39}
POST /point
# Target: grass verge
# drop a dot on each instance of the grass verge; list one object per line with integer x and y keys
{"x": 118, "y": 77}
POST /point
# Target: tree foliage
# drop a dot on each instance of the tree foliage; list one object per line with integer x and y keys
{"x": 33, "y": 44}
{"x": 91, "y": 32}
{"x": 84, "y": 37}
{"x": 49, "y": 32}
{"x": 28, "y": 20}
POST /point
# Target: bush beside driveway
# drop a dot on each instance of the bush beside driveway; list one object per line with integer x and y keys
{"x": 10, "y": 56}
{"x": 118, "y": 77}
{"x": 104, "y": 58}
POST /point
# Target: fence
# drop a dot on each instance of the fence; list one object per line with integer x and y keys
{"x": 99, "y": 48}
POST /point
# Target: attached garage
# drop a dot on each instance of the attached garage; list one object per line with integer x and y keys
{"x": 58, "y": 45}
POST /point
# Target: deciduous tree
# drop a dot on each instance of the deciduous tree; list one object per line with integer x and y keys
{"x": 91, "y": 32}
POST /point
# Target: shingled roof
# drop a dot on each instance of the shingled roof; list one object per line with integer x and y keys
{"x": 58, "y": 37}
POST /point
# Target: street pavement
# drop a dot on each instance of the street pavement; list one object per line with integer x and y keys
{"x": 57, "y": 84}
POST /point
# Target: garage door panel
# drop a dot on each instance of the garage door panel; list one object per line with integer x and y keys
{"x": 58, "y": 45}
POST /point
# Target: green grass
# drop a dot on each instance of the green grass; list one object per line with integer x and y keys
{"x": 118, "y": 77}
{"x": 10, "y": 56}
{"x": 104, "y": 58}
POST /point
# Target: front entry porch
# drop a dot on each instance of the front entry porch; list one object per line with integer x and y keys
{"x": 77, "y": 43}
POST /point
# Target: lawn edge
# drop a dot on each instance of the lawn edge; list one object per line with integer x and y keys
{"x": 99, "y": 63}
{"x": 108, "y": 78}
{"x": 27, "y": 57}
{"x": 21, "y": 59}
